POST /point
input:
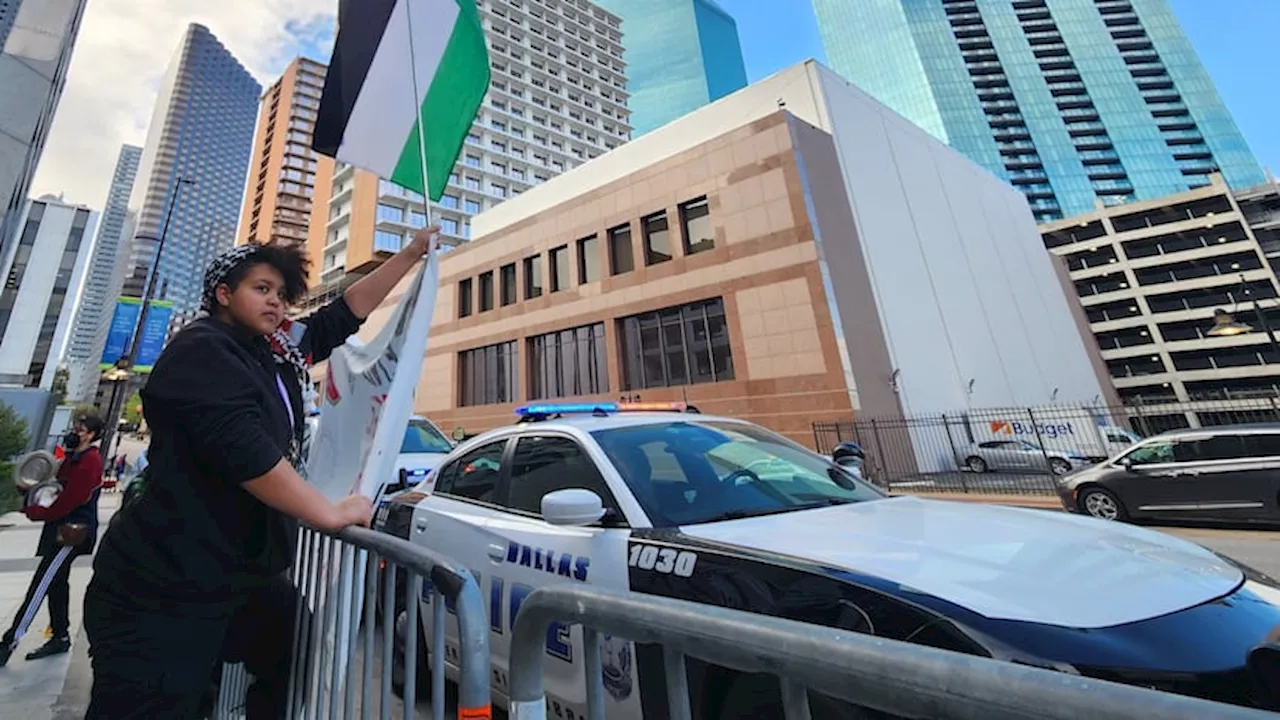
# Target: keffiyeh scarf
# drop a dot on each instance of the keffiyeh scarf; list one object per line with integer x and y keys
{"x": 283, "y": 342}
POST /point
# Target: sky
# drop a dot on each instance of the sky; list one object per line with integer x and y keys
{"x": 126, "y": 45}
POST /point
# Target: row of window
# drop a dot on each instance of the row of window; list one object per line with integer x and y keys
{"x": 681, "y": 345}
{"x": 478, "y": 295}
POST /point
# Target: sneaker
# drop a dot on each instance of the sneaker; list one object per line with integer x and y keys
{"x": 56, "y": 646}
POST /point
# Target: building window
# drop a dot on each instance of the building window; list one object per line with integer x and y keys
{"x": 449, "y": 201}
{"x": 681, "y": 345}
{"x": 449, "y": 226}
{"x": 588, "y": 260}
{"x": 464, "y": 298}
{"x": 387, "y": 241}
{"x": 696, "y": 222}
{"x": 472, "y": 206}
{"x": 390, "y": 213}
{"x": 488, "y": 375}
{"x": 657, "y": 239}
{"x": 621, "y": 259}
{"x": 472, "y": 183}
{"x": 532, "y": 277}
{"x": 507, "y": 284}
{"x": 568, "y": 363}
{"x": 486, "y": 291}
{"x": 560, "y": 278}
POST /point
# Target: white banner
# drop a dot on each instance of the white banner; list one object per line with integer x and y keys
{"x": 368, "y": 397}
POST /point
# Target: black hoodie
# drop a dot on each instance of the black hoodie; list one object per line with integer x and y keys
{"x": 195, "y": 538}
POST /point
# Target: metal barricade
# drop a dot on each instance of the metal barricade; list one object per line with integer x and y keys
{"x": 336, "y": 630}
{"x": 886, "y": 675}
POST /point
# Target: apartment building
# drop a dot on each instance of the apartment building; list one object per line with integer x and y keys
{"x": 1151, "y": 276}
{"x": 557, "y": 99}
{"x": 282, "y": 172}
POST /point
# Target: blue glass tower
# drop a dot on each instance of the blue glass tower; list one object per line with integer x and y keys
{"x": 193, "y": 169}
{"x": 680, "y": 55}
{"x": 1073, "y": 101}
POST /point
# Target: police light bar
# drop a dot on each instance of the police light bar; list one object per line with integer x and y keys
{"x": 544, "y": 409}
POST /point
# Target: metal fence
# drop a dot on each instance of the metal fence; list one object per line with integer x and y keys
{"x": 885, "y": 675}
{"x": 345, "y": 583}
{"x": 1018, "y": 450}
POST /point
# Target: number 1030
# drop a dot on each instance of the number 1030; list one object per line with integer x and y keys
{"x": 664, "y": 560}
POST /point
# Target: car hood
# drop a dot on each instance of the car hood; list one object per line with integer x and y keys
{"x": 1000, "y": 562}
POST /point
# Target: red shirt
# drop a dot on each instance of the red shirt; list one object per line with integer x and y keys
{"x": 80, "y": 475}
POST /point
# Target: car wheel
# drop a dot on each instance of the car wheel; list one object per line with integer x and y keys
{"x": 1058, "y": 466}
{"x": 1102, "y": 504}
{"x": 976, "y": 464}
{"x": 423, "y": 664}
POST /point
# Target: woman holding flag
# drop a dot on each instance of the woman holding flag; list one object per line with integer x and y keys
{"x": 194, "y": 567}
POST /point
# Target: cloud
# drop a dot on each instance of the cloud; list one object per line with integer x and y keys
{"x": 123, "y": 50}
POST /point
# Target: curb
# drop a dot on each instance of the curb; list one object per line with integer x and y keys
{"x": 1038, "y": 502}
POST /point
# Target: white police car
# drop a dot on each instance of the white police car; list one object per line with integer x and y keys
{"x": 721, "y": 511}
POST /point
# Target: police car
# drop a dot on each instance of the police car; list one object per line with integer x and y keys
{"x": 662, "y": 501}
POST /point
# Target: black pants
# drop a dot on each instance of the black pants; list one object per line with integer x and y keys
{"x": 158, "y": 666}
{"x": 51, "y": 580}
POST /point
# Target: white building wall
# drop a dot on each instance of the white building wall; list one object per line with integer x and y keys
{"x": 38, "y": 279}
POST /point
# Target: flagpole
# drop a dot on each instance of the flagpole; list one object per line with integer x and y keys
{"x": 417, "y": 98}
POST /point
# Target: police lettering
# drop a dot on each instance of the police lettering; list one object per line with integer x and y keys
{"x": 551, "y": 561}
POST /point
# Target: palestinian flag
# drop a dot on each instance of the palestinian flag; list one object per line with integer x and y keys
{"x": 369, "y": 113}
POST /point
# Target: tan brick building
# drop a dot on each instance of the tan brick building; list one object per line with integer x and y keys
{"x": 282, "y": 181}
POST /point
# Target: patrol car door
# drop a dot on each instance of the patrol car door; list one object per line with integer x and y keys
{"x": 532, "y": 553}
{"x": 455, "y": 518}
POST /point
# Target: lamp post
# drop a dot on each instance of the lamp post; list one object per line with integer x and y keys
{"x": 126, "y": 363}
{"x": 1226, "y": 325}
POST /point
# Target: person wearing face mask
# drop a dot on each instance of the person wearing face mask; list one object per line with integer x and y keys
{"x": 191, "y": 571}
{"x": 70, "y": 531}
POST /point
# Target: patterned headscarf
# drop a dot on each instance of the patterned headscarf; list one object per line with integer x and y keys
{"x": 283, "y": 341}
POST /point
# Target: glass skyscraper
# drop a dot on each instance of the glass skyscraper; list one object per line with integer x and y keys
{"x": 680, "y": 55}
{"x": 1072, "y": 101}
{"x": 194, "y": 165}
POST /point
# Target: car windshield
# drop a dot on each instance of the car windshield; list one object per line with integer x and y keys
{"x": 423, "y": 437}
{"x": 692, "y": 472}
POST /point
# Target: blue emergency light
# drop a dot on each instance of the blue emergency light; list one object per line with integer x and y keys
{"x": 547, "y": 409}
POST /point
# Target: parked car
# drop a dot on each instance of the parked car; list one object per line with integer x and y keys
{"x": 423, "y": 447}
{"x": 1227, "y": 473}
{"x": 1020, "y": 455}
{"x": 722, "y": 512}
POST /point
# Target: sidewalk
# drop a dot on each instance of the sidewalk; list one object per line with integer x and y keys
{"x": 56, "y": 687}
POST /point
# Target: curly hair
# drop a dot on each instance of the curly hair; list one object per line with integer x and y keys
{"x": 289, "y": 260}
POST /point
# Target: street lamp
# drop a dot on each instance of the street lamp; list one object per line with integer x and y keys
{"x": 153, "y": 273}
{"x": 1226, "y": 325}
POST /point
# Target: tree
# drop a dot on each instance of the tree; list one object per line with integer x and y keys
{"x": 13, "y": 433}
{"x": 59, "y": 389}
{"x": 131, "y": 414}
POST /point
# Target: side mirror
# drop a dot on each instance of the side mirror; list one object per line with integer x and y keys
{"x": 1127, "y": 464}
{"x": 573, "y": 506}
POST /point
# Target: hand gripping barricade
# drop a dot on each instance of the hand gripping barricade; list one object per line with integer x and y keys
{"x": 886, "y": 675}
{"x": 336, "y": 630}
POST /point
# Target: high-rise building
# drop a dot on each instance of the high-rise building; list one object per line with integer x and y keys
{"x": 102, "y": 283}
{"x": 282, "y": 172}
{"x": 1151, "y": 276}
{"x": 1075, "y": 102}
{"x": 192, "y": 174}
{"x": 680, "y": 54}
{"x": 36, "y": 40}
{"x": 556, "y": 100}
{"x": 44, "y": 271}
